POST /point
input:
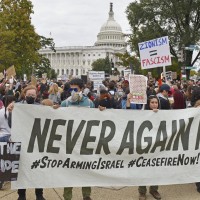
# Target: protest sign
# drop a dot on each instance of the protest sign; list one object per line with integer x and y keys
{"x": 67, "y": 146}
{"x": 33, "y": 80}
{"x": 9, "y": 160}
{"x": 174, "y": 75}
{"x": 138, "y": 88}
{"x": 1, "y": 76}
{"x": 96, "y": 75}
{"x": 97, "y": 84}
{"x": 127, "y": 72}
{"x": 114, "y": 78}
{"x": 63, "y": 77}
{"x": 10, "y": 72}
{"x": 25, "y": 77}
{"x": 155, "y": 53}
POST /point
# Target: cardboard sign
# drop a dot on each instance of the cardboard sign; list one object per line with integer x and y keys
{"x": 10, "y": 72}
{"x": 114, "y": 78}
{"x": 33, "y": 80}
{"x": 174, "y": 75}
{"x": 1, "y": 76}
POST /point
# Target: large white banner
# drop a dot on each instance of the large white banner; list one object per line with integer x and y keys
{"x": 155, "y": 53}
{"x": 87, "y": 147}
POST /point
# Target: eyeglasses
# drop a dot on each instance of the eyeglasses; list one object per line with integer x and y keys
{"x": 73, "y": 89}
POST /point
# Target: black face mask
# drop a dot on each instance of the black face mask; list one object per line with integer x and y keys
{"x": 30, "y": 100}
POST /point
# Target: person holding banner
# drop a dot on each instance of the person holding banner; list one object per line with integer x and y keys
{"x": 54, "y": 94}
{"x": 153, "y": 103}
{"x": 5, "y": 123}
{"x": 77, "y": 99}
{"x": 105, "y": 101}
{"x": 197, "y": 105}
{"x": 30, "y": 93}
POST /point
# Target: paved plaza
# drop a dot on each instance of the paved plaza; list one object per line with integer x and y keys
{"x": 170, "y": 192}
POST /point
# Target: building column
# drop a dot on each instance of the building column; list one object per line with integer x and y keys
{"x": 51, "y": 60}
{"x": 79, "y": 71}
{"x": 56, "y": 59}
{"x": 60, "y": 61}
{"x": 65, "y": 59}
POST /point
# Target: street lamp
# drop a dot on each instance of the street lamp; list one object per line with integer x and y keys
{"x": 188, "y": 68}
{"x": 192, "y": 48}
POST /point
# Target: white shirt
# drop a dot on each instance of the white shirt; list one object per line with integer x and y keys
{"x": 4, "y": 127}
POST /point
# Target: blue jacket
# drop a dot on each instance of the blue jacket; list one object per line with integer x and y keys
{"x": 84, "y": 102}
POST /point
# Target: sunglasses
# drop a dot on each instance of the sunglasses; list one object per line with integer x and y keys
{"x": 73, "y": 89}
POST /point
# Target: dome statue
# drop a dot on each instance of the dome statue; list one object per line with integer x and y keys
{"x": 111, "y": 33}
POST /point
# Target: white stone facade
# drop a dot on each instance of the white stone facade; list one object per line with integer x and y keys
{"x": 77, "y": 60}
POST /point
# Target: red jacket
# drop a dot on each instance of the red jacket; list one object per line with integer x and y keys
{"x": 179, "y": 101}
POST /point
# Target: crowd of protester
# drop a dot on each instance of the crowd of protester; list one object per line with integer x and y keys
{"x": 176, "y": 94}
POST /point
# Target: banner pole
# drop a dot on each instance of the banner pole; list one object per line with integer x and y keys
{"x": 164, "y": 72}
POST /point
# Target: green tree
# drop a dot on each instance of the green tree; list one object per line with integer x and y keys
{"x": 198, "y": 73}
{"x": 193, "y": 72}
{"x": 126, "y": 60}
{"x": 102, "y": 64}
{"x": 44, "y": 67}
{"x": 19, "y": 43}
{"x": 108, "y": 65}
{"x": 178, "y": 19}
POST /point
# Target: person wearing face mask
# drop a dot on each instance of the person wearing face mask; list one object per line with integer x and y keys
{"x": 30, "y": 94}
{"x": 77, "y": 99}
{"x": 105, "y": 100}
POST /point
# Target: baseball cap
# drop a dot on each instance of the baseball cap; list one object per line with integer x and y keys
{"x": 165, "y": 87}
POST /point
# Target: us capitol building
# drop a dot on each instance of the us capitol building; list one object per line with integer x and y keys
{"x": 77, "y": 60}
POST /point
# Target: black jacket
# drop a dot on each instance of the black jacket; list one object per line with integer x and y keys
{"x": 164, "y": 104}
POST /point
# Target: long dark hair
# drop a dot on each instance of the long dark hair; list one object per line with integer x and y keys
{"x": 7, "y": 99}
{"x": 147, "y": 107}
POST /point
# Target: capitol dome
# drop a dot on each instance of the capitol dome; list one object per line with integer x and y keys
{"x": 111, "y": 33}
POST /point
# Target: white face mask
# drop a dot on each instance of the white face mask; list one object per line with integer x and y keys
{"x": 120, "y": 94}
{"x": 76, "y": 96}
